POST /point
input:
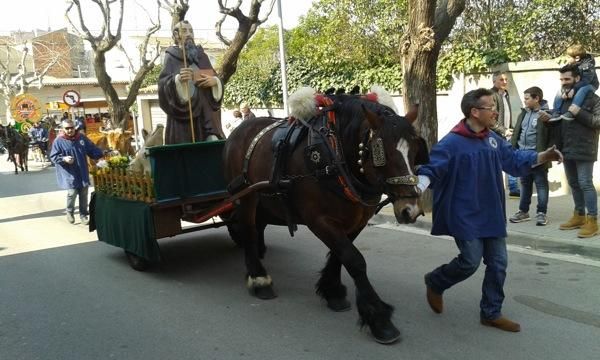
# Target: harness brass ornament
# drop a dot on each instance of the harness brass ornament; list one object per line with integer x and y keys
{"x": 378, "y": 152}
{"x": 403, "y": 180}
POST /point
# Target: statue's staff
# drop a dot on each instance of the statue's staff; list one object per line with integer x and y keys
{"x": 187, "y": 89}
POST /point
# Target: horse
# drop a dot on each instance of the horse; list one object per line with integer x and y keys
{"x": 376, "y": 154}
{"x": 17, "y": 146}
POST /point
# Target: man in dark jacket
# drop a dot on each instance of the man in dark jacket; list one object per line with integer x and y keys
{"x": 578, "y": 142}
{"x": 503, "y": 125}
{"x": 587, "y": 83}
{"x": 68, "y": 153}
{"x": 197, "y": 83}
{"x": 532, "y": 134}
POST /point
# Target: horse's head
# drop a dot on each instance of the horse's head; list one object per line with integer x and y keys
{"x": 388, "y": 151}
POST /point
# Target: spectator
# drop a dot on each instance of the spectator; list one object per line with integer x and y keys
{"x": 80, "y": 125}
{"x": 465, "y": 172}
{"x": 588, "y": 83}
{"x": 68, "y": 154}
{"x": 579, "y": 143}
{"x": 503, "y": 125}
{"x": 237, "y": 120}
{"x": 531, "y": 134}
{"x": 246, "y": 113}
{"x": 39, "y": 138}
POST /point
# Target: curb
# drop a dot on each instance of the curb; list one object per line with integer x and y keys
{"x": 540, "y": 243}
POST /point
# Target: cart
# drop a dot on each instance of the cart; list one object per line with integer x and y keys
{"x": 187, "y": 183}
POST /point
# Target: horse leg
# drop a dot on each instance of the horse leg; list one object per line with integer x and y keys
{"x": 372, "y": 311}
{"x": 14, "y": 160}
{"x": 259, "y": 283}
{"x": 329, "y": 286}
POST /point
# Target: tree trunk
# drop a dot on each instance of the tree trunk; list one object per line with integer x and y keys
{"x": 428, "y": 27}
{"x": 228, "y": 64}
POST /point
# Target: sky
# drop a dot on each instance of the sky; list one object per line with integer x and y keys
{"x": 41, "y": 14}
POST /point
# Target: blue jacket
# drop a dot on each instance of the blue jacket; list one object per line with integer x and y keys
{"x": 38, "y": 134}
{"x": 76, "y": 175}
{"x": 465, "y": 170}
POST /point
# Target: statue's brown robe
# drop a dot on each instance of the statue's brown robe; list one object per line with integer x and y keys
{"x": 206, "y": 111}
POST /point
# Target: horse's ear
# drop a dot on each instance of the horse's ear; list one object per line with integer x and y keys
{"x": 412, "y": 113}
{"x": 375, "y": 121}
{"x": 144, "y": 134}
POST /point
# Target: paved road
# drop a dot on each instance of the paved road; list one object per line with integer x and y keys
{"x": 80, "y": 299}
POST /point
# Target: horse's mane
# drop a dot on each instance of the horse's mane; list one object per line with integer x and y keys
{"x": 350, "y": 115}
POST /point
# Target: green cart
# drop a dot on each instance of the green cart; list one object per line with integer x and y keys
{"x": 187, "y": 183}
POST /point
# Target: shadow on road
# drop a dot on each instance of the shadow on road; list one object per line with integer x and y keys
{"x": 44, "y": 214}
{"x": 35, "y": 181}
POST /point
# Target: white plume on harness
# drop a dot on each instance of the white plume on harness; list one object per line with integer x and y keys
{"x": 303, "y": 104}
{"x": 384, "y": 97}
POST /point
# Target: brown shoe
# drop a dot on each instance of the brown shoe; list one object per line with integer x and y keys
{"x": 590, "y": 228}
{"x": 502, "y": 323}
{"x": 575, "y": 222}
{"x": 435, "y": 300}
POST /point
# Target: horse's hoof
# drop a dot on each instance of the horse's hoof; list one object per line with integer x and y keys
{"x": 339, "y": 304}
{"x": 386, "y": 333}
{"x": 264, "y": 292}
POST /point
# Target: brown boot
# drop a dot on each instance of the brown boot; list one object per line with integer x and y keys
{"x": 502, "y": 323}
{"x": 435, "y": 300}
{"x": 590, "y": 228}
{"x": 575, "y": 222}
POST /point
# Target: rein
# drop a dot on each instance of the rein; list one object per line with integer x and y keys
{"x": 371, "y": 144}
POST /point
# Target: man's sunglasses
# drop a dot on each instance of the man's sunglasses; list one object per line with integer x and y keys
{"x": 69, "y": 128}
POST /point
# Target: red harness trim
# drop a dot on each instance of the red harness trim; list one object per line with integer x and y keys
{"x": 324, "y": 101}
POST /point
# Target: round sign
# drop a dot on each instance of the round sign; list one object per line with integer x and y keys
{"x": 71, "y": 97}
{"x": 25, "y": 107}
{"x": 25, "y": 127}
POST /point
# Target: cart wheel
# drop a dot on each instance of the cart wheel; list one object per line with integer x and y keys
{"x": 136, "y": 262}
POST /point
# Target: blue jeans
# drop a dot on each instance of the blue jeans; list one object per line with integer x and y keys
{"x": 513, "y": 184}
{"x": 580, "y": 175}
{"x": 539, "y": 176}
{"x": 495, "y": 257}
{"x": 83, "y": 200}
{"x": 577, "y": 99}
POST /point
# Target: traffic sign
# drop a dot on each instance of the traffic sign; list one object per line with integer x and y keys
{"x": 71, "y": 97}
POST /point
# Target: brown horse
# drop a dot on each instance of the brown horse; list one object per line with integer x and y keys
{"x": 17, "y": 146}
{"x": 376, "y": 151}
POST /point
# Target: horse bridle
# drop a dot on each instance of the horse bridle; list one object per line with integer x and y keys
{"x": 372, "y": 144}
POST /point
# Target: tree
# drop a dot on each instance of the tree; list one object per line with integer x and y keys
{"x": 428, "y": 27}
{"x": 105, "y": 41}
{"x": 247, "y": 26}
{"x": 18, "y": 82}
{"x": 341, "y": 43}
{"x": 498, "y": 31}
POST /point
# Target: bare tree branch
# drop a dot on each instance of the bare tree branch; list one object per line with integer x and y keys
{"x": 247, "y": 26}
{"x": 107, "y": 41}
{"x": 178, "y": 9}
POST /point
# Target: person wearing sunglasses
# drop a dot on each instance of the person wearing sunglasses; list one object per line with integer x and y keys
{"x": 68, "y": 154}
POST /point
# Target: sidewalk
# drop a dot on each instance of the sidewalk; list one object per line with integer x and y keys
{"x": 547, "y": 238}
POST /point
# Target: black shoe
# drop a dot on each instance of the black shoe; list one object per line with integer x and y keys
{"x": 70, "y": 218}
{"x": 568, "y": 116}
{"x": 514, "y": 195}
